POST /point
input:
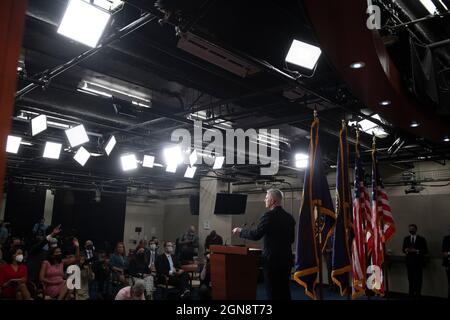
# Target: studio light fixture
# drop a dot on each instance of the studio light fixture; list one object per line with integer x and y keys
{"x": 129, "y": 162}
{"x": 446, "y": 139}
{"x": 84, "y": 22}
{"x": 303, "y": 54}
{"x": 190, "y": 172}
{"x": 173, "y": 157}
{"x": 52, "y": 150}
{"x": 193, "y": 158}
{"x": 110, "y": 145}
{"x": 82, "y": 156}
{"x": 148, "y": 162}
{"x": 218, "y": 162}
{"x": 301, "y": 160}
{"x": 38, "y": 124}
{"x": 77, "y": 135}
{"x": 13, "y": 144}
{"x": 370, "y": 127}
{"x": 429, "y": 5}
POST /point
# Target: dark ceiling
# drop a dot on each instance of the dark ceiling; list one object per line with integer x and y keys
{"x": 179, "y": 83}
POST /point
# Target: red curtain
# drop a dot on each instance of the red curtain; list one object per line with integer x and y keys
{"x": 12, "y": 20}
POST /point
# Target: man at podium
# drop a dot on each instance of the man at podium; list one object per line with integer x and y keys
{"x": 278, "y": 229}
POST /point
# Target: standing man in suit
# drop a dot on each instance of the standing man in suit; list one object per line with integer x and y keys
{"x": 168, "y": 268}
{"x": 415, "y": 248}
{"x": 446, "y": 258}
{"x": 278, "y": 229}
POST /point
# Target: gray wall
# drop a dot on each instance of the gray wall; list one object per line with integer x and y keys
{"x": 177, "y": 218}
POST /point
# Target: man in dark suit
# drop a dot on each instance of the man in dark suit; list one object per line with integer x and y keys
{"x": 446, "y": 258}
{"x": 415, "y": 248}
{"x": 167, "y": 267}
{"x": 278, "y": 229}
{"x": 211, "y": 239}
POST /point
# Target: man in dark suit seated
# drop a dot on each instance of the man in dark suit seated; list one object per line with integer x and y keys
{"x": 446, "y": 258}
{"x": 415, "y": 248}
{"x": 168, "y": 269}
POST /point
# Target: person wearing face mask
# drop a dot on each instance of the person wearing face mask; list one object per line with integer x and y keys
{"x": 188, "y": 245}
{"x": 13, "y": 277}
{"x": 168, "y": 271}
{"x": 415, "y": 248}
{"x": 52, "y": 272}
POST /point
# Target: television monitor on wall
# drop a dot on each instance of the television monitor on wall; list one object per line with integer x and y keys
{"x": 230, "y": 203}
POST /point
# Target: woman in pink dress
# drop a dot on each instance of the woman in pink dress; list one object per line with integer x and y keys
{"x": 52, "y": 272}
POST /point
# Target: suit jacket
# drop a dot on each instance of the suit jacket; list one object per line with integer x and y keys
{"x": 446, "y": 248}
{"x": 278, "y": 229}
{"x": 162, "y": 264}
{"x": 415, "y": 259}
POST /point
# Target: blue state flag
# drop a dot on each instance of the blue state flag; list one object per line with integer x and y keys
{"x": 316, "y": 220}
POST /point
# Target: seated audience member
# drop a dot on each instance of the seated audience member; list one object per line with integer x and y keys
{"x": 188, "y": 245}
{"x": 152, "y": 256}
{"x": 118, "y": 263}
{"x": 39, "y": 229}
{"x": 89, "y": 251}
{"x": 135, "y": 292}
{"x": 167, "y": 269}
{"x": 4, "y": 232}
{"x": 212, "y": 239}
{"x": 156, "y": 242}
{"x": 52, "y": 272}
{"x": 13, "y": 277}
{"x": 86, "y": 276}
{"x": 205, "y": 280}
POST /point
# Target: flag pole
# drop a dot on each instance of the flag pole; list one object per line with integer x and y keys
{"x": 347, "y": 229}
{"x": 319, "y": 239}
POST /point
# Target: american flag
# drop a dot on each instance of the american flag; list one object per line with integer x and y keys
{"x": 383, "y": 227}
{"x": 361, "y": 228}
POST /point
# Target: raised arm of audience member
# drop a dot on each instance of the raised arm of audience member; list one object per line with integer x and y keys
{"x": 73, "y": 259}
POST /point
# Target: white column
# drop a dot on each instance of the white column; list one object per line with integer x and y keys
{"x": 48, "y": 208}
{"x": 209, "y": 187}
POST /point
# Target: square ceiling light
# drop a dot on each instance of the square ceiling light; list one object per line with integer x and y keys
{"x": 82, "y": 156}
{"x": 84, "y": 22}
{"x": 38, "y": 124}
{"x": 303, "y": 54}
{"x": 13, "y": 144}
{"x": 52, "y": 150}
{"x": 77, "y": 135}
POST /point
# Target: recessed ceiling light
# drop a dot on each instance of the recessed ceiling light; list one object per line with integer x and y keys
{"x": 385, "y": 103}
{"x": 414, "y": 124}
{"x": 357, "y": 65}
{"x": 446, "y": 139}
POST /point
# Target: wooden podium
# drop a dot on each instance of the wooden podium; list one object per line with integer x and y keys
{"x": 234, "y": 272}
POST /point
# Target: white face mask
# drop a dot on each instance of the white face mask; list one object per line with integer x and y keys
{"x": 19, "y": 258}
